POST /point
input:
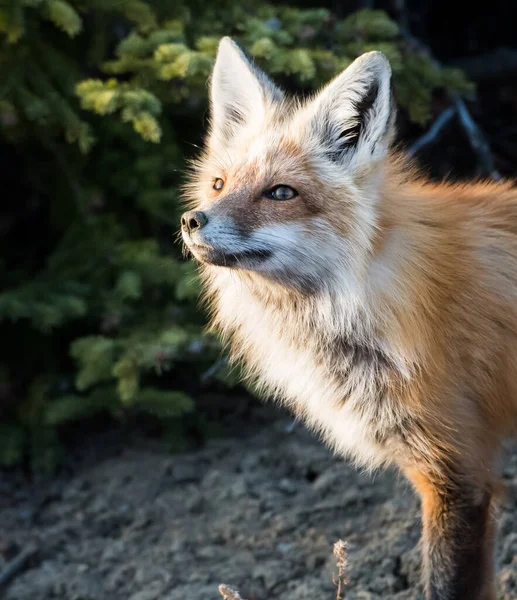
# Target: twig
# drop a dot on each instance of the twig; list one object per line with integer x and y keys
{"x": 477, "y": 139}
{"x": 340, "y": 548}
{"x": 211, "y": 371}
{"x": 433, "y": 132}
{"x": 475, "y": 136}
{"x": 228, "y": 594}
{"x": 18, "y": 564}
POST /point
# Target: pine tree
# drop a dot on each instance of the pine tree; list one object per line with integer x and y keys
{"x": 100, "y": 101}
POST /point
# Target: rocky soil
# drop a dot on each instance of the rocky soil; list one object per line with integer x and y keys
{"x": 260, "y": 513}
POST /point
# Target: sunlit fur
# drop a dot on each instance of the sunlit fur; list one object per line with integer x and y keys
{"x": 385, "y": 314}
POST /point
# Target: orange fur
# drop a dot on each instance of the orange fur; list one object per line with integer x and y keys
{"x": 460, "y": 313}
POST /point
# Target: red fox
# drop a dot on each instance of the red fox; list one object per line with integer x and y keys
{"x": 379, "y": 307}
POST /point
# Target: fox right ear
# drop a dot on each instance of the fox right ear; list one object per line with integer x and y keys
{"x": 353, "y": 116}
{"x": 240, "y": 91}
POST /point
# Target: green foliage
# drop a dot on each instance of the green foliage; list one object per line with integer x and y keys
{"x": 135, "y": 106}
{"x": 97, "y": 308}
{"x": 301, "y": 47}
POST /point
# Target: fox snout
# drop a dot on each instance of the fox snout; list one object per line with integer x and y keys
{"x": 194, "y": 236}
{"x": 217, "y": 240}
{"x": 193, "y": 220}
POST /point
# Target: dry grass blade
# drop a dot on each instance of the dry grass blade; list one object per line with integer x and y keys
{"x": 228, "y": 594}
{"x": 340, "y": 552}
{"x": 340, "y": 548}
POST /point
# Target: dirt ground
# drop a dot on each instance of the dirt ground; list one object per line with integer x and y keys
{"x": 260, "y": 513}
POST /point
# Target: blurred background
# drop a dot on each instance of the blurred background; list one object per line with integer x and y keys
{"x": 133, "y": 464}
{"x": 102, "y": 104}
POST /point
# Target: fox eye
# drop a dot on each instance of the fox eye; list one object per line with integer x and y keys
{"x": 218, "y": 184}
{"x": 280, "y": 192}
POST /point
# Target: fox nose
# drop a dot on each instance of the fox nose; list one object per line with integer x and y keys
{"x": 192, "y": 220}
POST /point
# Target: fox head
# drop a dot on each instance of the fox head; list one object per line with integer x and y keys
{"x": 286, "y": 189}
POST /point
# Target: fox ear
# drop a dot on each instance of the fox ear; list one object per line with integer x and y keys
{"x": 353, "y": 116}
{"x": 240, "y": 91}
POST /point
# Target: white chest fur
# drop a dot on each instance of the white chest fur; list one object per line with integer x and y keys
{"x": 342, "y": 400}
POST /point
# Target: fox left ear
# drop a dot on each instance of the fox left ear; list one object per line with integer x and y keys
{"x": 354, "y": 115}
{"x": 240, "y": 91}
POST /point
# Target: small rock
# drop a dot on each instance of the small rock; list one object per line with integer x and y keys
{"x": 314, "y": 561}
{"x": 151, "y": 592}
{"x": 509, "y": 549}
{"x": 185, "y": 473}
{"x": 195, "y": 504}
{"x": 113, "y": 550}
{"x": 410, "y": 563}
{"x": 287, "y": 486}
{"x": 238, "y": 489}
{"x": 270, "y": 573}
{"x": 384, "y": 584}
